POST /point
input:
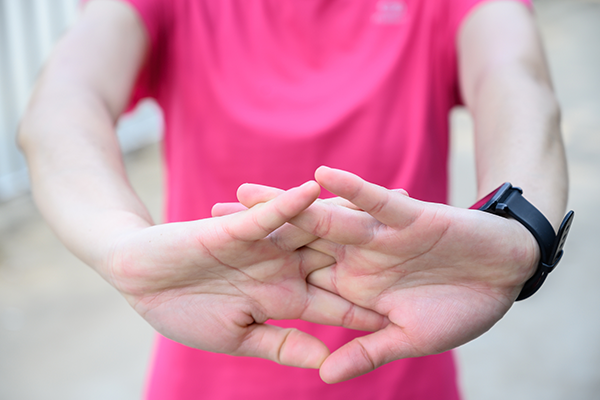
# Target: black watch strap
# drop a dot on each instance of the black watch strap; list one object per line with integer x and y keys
{"x": 516, "y": 206}
{"x": 508, "y": 201}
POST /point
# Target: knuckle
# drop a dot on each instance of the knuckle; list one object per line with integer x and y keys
{"x": 324, "y": 225}
{"x": 349, "y": 317}
{"x": 280, "y": 354}
{"x": 366, "y": 355}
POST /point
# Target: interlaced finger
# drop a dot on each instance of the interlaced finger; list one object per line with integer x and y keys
{"x": 327, "y": 308}
{"x": 259, "y": 221}
{"x": 251, "y": 194}
{"x": 221, "y": 209}
{"x": 390, "y": 207}
{"x": 335, "y": 219}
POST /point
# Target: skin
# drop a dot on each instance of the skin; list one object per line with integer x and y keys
{"x": 425, "y": 277}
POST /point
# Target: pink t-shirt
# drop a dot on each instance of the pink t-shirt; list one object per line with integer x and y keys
{"x": 266, "y": 91}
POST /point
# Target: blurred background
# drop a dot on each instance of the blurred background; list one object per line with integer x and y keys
{"x": 66, "y": 334}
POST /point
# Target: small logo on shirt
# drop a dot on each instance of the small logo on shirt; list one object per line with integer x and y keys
{"x": 388, "y": 12}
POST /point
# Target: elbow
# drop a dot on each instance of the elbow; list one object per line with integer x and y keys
{"x": 25, "y": 132}
{"x": 22, "y": 138}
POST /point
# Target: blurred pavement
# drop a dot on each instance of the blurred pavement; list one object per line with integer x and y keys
{"x": 66, "y": 334}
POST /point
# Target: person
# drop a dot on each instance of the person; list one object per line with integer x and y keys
{"x": 266, "y": 92}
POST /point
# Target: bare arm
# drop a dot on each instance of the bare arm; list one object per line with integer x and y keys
{"x": 506, "y": 87}
{"x": 67, "y": 132}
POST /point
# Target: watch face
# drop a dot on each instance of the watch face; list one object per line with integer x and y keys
{"x": 485, "y": 203}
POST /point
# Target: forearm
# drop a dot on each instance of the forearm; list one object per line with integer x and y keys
{"x": 506, "y": 86}
{"x": 518, "y": 140}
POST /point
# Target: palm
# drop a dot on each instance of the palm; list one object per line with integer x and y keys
{"x": 437, "y": 282}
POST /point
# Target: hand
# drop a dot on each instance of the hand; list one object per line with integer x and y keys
{"x": 442, "y": 275}
{"x": 212, "y": 284}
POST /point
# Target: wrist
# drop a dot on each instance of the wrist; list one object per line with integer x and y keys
{"x": 99, "y": 238}
{"x": 529, "y": 257}
{"x": 507, "y": 201}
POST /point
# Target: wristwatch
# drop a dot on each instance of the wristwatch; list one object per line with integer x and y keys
{"x": 508, "y": 201}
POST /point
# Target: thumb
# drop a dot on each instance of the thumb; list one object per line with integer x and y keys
{"x": 365, "y": 354}
{"x": 286, "y": 346}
